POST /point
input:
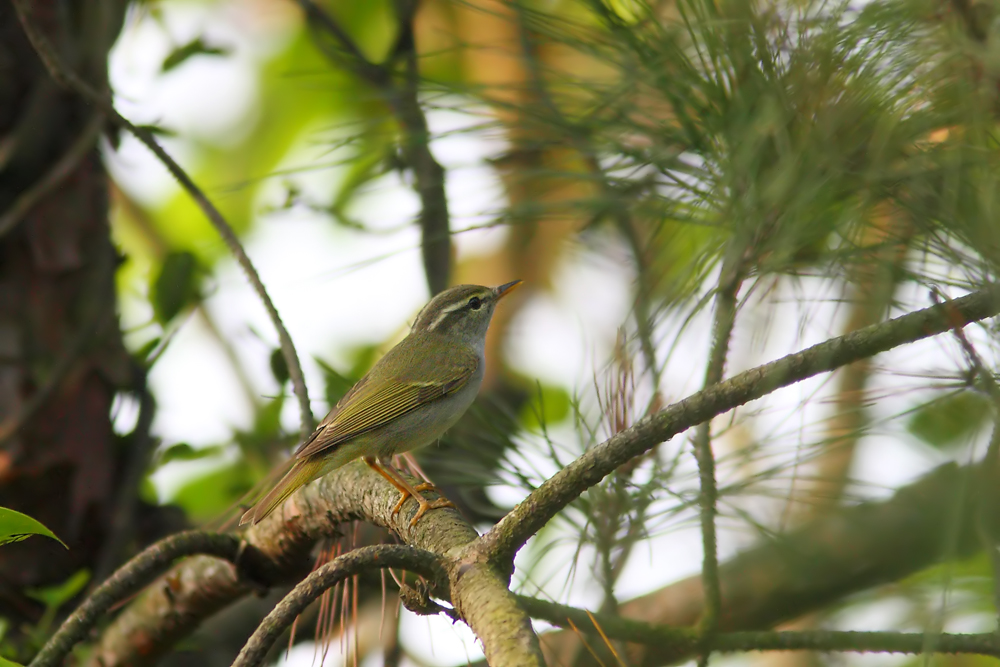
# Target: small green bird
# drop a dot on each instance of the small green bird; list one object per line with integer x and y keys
{"x": 409, "y": 398}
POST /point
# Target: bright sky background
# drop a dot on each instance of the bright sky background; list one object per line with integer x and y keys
{"x": 336, "y": 289}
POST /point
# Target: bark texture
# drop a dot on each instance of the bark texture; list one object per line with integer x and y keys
{"x": 61, "y": 357}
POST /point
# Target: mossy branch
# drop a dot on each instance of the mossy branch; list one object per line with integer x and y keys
{"x": 195, "y": 589}
{"x": 128, "y": 580}
{"x": 326, "y": 577}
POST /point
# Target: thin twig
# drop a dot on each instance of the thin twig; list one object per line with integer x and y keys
{"x": 675, "y": 644}
{"x": 69, "y": 79}
{"x": 325, "y": 577}
{"x": 722, "y": 330}
{"x": 987, "y": 495}
{"x": 130, "y": 578}
{"x": 160, "y": 247}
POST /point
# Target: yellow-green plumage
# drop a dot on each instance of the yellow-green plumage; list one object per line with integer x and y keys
{"x": 302, "y": 472}
{"x": 408, "y": 399}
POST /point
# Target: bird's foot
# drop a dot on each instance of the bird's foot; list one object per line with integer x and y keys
{"x": 424, "y": 505}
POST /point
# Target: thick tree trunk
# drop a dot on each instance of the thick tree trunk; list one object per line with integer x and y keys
{"x": 61, "y": 355}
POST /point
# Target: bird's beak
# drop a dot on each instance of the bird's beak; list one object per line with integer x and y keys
{"x": 507, "y": 288}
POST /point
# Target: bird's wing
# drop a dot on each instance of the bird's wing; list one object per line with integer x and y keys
{"x": 371, "y": 404}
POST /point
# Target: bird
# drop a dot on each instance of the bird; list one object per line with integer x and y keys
{"x": 408, "y": 399}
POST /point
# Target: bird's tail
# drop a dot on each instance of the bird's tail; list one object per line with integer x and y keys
{"x": 302, "y": 472}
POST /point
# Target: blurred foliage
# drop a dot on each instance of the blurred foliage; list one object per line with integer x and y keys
{"x": 950, "y": 420}
{"x": 205, "y": 497}
{"x": 176, "y": 285}
{"x": 549, "y": 405}
{"x": 196, "y": 47}
{"x": 185, "y": 452}
{"x": 54, "y": 597}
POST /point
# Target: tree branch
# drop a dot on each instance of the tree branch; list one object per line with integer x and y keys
{"x": 676, "y": 644}
{"x": 510, "y": 534}
{"x": 722, "y": 331}
{"x": 129, "y": 579}
{"x": 68, "y": 79}
{"x": 327, "y": 576}
{"x": 846, "y": 551}
{"x": 403, "y": 100}
{"x": 195, "y": 589}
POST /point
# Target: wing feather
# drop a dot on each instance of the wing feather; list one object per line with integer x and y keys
{"x": 372, "y": 404}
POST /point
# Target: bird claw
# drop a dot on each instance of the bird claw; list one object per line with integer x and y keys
{"x": 424, "y": 505}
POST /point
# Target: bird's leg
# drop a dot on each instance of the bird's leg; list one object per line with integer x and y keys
{"x": 407, "y": 490}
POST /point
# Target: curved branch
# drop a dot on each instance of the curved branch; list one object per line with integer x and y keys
{"x": 69, "y": 79}
{"x": 509, "y": 535}
{"x": 195, "y": 589}
{"x": 324, "y": 578}
{"x": 130, "y": 578}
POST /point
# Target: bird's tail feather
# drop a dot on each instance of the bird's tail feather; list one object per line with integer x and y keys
{"x": 302, "y": 472}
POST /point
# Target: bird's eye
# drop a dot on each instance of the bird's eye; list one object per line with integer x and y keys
{"x": 475, "y": 303}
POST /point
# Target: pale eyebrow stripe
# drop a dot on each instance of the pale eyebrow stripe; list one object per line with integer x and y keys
{"x": 445, "y": 313}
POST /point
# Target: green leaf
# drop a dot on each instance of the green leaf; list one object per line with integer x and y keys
{"x": 949, "y": 421}
{"x": 279, "y": 369}
{"x": 55, "y": 596}
{"x": 195, "y": 47}
{"x": 204, "y": 497}
{"x": 144, "y": 352}
{"x": 337, "y": 383}
{"x": 148, "y": 492}
{"x": 182, "y": 451}
{"x": 4, "y": 662}
{"x": 15, "y": 527}
{"x": 176, "y": 286}
{"x": 549, "y": 405}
